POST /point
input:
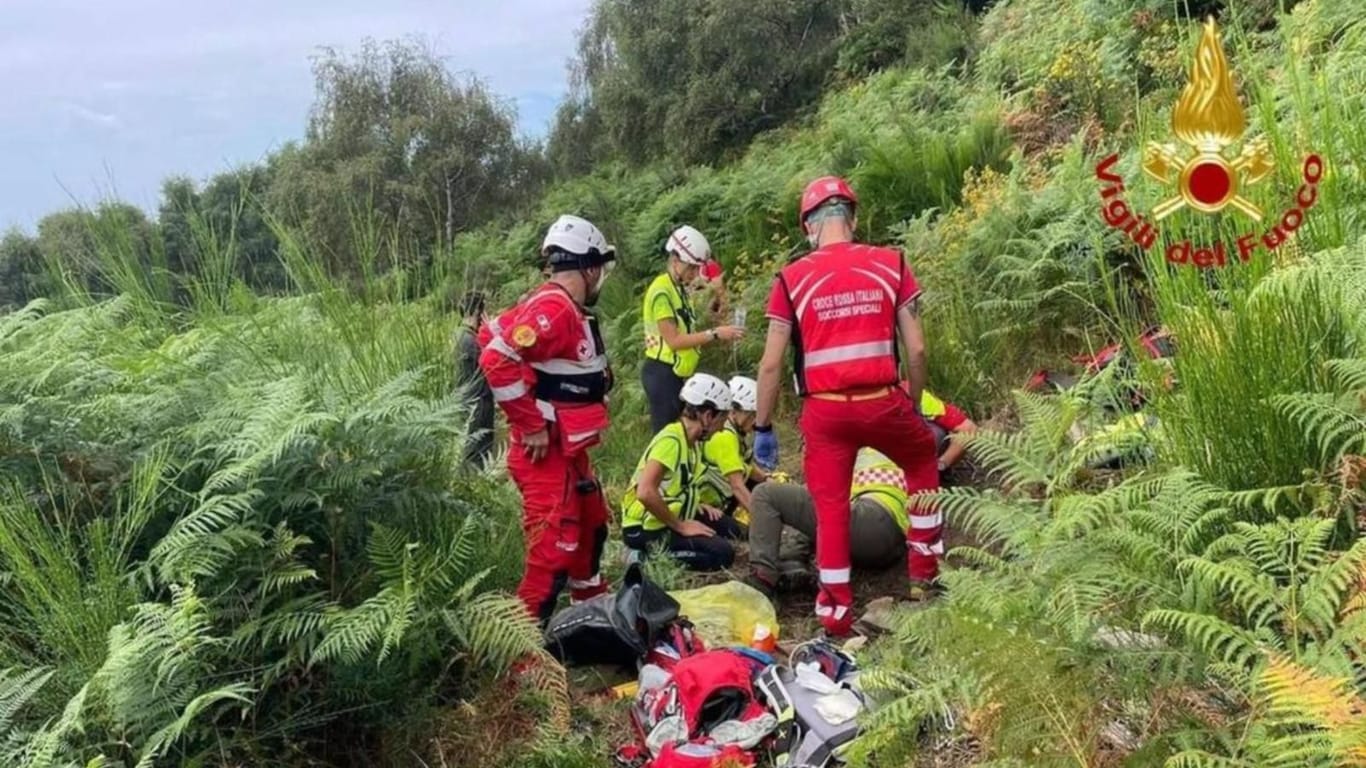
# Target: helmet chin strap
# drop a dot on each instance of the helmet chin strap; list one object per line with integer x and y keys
{"x": 813, "y": 234}
{"x": 593, "y": 290}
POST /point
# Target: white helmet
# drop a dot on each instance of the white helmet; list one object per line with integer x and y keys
{"x": 689, "y": 245}
{"x": 745, "y": 391}
{"x": 705, "y": 389}
{"x": 578, "y": 236}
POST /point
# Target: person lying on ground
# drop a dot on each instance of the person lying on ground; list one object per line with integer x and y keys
{"x": 945, "y": 419}
{"x": 662, "y": 505}
{"x": 730, "y": 473}
{"x": 878, "y": 523}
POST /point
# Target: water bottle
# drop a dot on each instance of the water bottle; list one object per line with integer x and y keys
{"x": 740, "y": 315}
{"x": 763, "y": 639}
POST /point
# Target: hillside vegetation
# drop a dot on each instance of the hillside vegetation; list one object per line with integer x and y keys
{"x": 233, "y": 525}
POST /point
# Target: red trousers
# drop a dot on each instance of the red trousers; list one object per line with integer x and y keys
{"x": 564, "y": 524}
{"x": 834, "y": 432}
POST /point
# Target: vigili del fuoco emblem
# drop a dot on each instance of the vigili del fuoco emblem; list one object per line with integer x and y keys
{"x": 1208, "y": 120}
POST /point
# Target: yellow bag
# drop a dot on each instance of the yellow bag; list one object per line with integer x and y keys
{"x": 726, "y": 614}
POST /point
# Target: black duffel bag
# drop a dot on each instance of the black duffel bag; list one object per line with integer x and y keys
{"x": 618, "y": 628}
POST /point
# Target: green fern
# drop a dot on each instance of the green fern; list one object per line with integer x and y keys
{"x": 1285, "y": 589}
{"x": 1336, "y": 421}
{"x": 16, "y": 689}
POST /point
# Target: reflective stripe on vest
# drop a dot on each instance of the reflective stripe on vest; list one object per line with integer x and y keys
{"x": 879, "y": 478}
{"x": 510, "y": 392}
{"x": 497, "y": 344}
{"x": 849, "y": 353}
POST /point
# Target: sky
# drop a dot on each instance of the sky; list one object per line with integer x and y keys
{"x": 102, "y": 98}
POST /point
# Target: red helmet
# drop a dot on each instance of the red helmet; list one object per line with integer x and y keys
{"x": 821, "y": 190}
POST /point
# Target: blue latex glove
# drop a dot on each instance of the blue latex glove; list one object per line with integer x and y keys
{"x": 766, "y": 450}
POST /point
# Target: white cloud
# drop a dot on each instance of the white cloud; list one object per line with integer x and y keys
{"x": 106, "y": 119}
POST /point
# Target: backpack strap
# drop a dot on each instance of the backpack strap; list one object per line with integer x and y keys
{"x": 798, "y": 356}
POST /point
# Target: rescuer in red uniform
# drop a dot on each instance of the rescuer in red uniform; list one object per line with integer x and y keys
{"x": 547, "y": 367}
{"x": 844, "y": 305}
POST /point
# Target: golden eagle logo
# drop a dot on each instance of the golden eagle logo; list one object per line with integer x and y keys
{"x": 1208, "y": 118}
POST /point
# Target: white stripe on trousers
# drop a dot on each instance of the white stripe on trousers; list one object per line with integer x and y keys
{"x": 834, "y": 575}
{"x": 921, "y": 548}
{"x": 924, "y": 522}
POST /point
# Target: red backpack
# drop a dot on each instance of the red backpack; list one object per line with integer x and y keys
{"x": 709, "y": 699}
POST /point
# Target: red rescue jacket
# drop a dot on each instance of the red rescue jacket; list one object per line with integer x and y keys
{"x": 546, "y": 363}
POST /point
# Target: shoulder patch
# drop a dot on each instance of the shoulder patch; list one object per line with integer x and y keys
{"x": 524, "y": 336}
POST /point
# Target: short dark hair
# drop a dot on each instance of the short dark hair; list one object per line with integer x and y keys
{"x": 472, "y": 303}
{"x": 834, "y": 207}
{"x": 697, "y": 411}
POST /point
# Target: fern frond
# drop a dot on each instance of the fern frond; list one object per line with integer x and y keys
{"x": 186, "y": 550}
{"x": 982, "y": 560}
{"x": 162, "y": 740}
{"x": 991, "y": 518}
{"x": 16, "y": 689}
{"x": 1196, "y": 758}
{"x": 495, "y": 628}
{"x": 1337, "y": 424}
{"x": 1010, "y": 457}
{"x": 1349, "y": 374}
{"x": 1327, "y": 587}
{"x": 1294, "y": 691}
{"x": 1213, "y": 636}
{"x": 350, "y": 634}
{"x": 1252, "y": 591}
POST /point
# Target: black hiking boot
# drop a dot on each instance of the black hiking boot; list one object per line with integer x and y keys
{"x": 794, "y": 576}
{"x": 763, "y": 581}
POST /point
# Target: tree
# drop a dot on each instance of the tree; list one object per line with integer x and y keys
{"x": 398, "y": 144}
{"x": 224, "y": 224}
{"x": 110, "y": 250}
{"x": 22, "y": 275}
{"x": 233, "y": 205}
{"x": 695, "y": 78}
{"x": 66, "y": 242}
{"x": 179, "y": 203}
{"x": 922, "y": 33}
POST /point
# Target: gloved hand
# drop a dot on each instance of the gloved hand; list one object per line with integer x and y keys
{"x": 766, "y": 449}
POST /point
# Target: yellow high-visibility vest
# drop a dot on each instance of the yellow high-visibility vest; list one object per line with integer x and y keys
{"x": 665, "y": 300}
{"x": 879, "y": 478}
